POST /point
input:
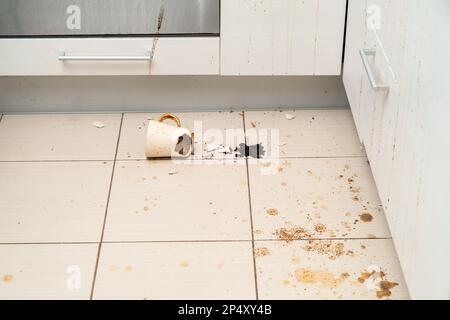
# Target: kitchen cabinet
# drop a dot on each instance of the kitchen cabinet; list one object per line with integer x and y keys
{"x": 172, "y": 56}
{"x": 403, "y": 127}
{"x": 282, "y": 37}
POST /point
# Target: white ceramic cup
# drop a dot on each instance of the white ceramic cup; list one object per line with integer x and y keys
{"x": 164, "y": 140}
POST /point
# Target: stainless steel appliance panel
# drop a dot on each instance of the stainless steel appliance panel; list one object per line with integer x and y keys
{"x": 108, "y": 17}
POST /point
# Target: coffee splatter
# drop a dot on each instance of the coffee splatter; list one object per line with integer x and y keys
{"x": 331, "y": 249}
{"x": 261, "y": 252}
{"x": 385, "y": 288}
{"x": 366, "y": 217}
{"x": 272, "y": 212}
{"x": 254, "y": 151}
{"x": 8, "y": 278}
{"x": 290, "y": 234}
{"x": 324, "y": 278}
{"x": 320, "y": 228}
{"x": 184, "y": 264}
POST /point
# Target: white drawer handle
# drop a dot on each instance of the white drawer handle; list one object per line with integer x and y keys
{"x": 63, "y": 57}
{"x": 364, "y": 56}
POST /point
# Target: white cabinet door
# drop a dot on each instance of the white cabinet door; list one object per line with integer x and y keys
{"x": 282, "y": 37}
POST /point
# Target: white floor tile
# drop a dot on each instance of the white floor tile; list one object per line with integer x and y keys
{"x": 212, "y": 270}
{"x": 53, "y": 201}
{"x": 160, "y": 200}
{"x": 328, "y": 198}
{"x": 311, "y": 270}
{"x": 50, "y": 271}
{"x": 311, "y": 133}
{"x": 58, "y": 137}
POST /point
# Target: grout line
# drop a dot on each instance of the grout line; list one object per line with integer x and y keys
{"x": 44, "y": 243}
{"x": 324, "y": 239}
{"x": 51, "y": 161}
{"x": 268, "y": 158}
{"x": 106, "y": 211}
{"x": 251, "y": 216}
{"x": 188, "y": 241}
{"x": 144, "y": 159}
{"x": 159, "y": 111}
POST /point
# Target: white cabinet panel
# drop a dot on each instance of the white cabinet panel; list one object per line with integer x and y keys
{"x": 173, "y": 56}
{"x": 282, "y": 37}
{"x": 405, "y": 131}
{"x": 353, "y": 68}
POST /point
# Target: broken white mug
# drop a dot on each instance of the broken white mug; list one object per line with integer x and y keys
{"x": 164, "y": 140}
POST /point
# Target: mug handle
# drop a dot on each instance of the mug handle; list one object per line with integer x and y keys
{"x": 168, "y": 116}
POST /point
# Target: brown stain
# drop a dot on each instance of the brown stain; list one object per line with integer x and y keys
{"x": 184, "y": 264}
{"x": 355, "y": 189}
{"x": 272, "y": 212}
{"x": 258, "y": 231}
{"x": 295, "y": 259}
{"x": 220, "y": 264}
{"x": 128, "y": 268}
{"x": 261, "y": 252}
{"x": 385, "y": 288}
{"x": 291, "y": 234}
{"x": 364, "y": 276}
{"x": 320, "y": 228}
{"x": 253, "y": 124}
{"x": 146, "y": 208}
{"x": 324, "y": 278}
{"x": 113, "y": 268}
{"x": 329, "y": 248}
{"x": 8, "y": 278}
{"x": 355, "y": 198}
{"x": 284, "y": 184}
{"x": 265, "y": 164}
{"x": 366, "y": 217}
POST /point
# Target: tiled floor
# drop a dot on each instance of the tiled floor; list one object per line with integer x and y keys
{"x": 84, "y": 215}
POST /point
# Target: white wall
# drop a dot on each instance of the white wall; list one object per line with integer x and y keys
{"x": 158, "y": 93}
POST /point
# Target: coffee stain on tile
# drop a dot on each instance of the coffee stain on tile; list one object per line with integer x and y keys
{"x": 329, "y": 248}
{"x": 261, "y": 252}
{"x": 324, "y": 278}
{"x": 8, "y": 278}
{"x": 113, "y": 268}
{"x": 184, "y": 264}
{"x": 385, "y": 288}
{"x": 293, "y": 233}
{"x": 295, "y": 260}
{"x": 272, "y": 212}
{"x": 382, "y": 285}
{"x": 220, "y": 264}
{"x": 366, "y": 217}
{"x": 320, "y": 228}
{"x": 128, "y": 268}
{"x": 365, "y": 275}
